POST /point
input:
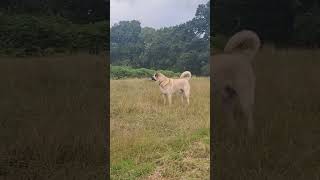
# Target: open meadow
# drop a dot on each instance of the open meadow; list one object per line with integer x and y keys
{"x": 287, "y": 117}
{"x": 52, "y": 118}
{"x": 150, "y": 140}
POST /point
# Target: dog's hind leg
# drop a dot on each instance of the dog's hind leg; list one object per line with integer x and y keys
{"x": 182, "y": 98}
{"x": 188, "y": 100}
{"x": 247, "y": 110}
{"x": 181, "y": 95}
{"x": 228, "y": 106}
{"x": 246, "y": 97}
{"x": 186, "y": 94}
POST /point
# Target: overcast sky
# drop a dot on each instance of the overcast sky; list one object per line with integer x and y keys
{"x": 154, "y": 13}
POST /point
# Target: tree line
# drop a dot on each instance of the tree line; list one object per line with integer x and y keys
{"x": 40, "y": 27}
{"x": 46, "y": 27}
{"x": 177, "y": 48}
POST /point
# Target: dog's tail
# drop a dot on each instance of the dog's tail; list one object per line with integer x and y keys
{"x": 186, "y": 75}
{"x": 246, "y": 42}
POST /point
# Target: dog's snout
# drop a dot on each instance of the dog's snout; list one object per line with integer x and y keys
{"x": 152, "y": 78}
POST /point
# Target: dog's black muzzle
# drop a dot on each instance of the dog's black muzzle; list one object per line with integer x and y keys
{"x": 152, "y": 78}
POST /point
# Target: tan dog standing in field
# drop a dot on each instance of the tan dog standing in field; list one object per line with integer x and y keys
{"x": 233, "y": 75}
{"x": 169, "y": 86}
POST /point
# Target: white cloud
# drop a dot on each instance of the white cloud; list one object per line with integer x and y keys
{"x": 154, "y": 13}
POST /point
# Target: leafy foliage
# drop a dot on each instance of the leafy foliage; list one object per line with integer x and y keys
{"x": 119, "y": 72}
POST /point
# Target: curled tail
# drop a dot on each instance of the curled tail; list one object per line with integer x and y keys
{"x": 246, "y": 42}
{"x": 186, "y": 75}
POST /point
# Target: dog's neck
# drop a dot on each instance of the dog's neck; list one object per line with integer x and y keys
{"x": 164, "y": 82}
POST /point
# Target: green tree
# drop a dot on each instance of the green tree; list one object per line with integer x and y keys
{"x": 126, "y": 42}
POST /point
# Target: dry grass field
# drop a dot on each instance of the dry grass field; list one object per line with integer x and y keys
{"x": 52, "y": 117}
{"x": 52, "y": 121}
{"x": 287, "y": 115}
{"x": 152, "y": 141}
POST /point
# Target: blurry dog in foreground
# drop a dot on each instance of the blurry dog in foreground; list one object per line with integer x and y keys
{"x": 233, "y": 75}
{"x": 169, "y": 86}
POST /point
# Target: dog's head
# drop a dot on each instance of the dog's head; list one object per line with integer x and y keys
{"x": 158, "y": 77}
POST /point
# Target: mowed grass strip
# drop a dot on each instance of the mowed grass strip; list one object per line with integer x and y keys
{"x": 150, "y": 140}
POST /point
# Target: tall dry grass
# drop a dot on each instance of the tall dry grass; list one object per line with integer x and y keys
{"x": 52, "y": 117}
{"x": 150, "y": 140}
{"x": 287, "y": 117}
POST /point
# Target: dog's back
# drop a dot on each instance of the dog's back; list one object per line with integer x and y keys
{"x": 181, "y": 83}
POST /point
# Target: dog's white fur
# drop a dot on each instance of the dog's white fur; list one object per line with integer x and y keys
{"x": 233, "y": 75}
{"x": 169, "y": 86}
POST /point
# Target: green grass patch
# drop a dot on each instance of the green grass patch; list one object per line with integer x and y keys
{"x": 202, "y": 135}
{"x": 128, "y": 169}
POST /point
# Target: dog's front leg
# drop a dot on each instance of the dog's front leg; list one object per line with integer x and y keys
{"x": 164, "y": 99}
{"x": 169, "y": 98}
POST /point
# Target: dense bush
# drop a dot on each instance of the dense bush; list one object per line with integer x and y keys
{"x": 119, "y": 72}
{"x": 29, "y": 35}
